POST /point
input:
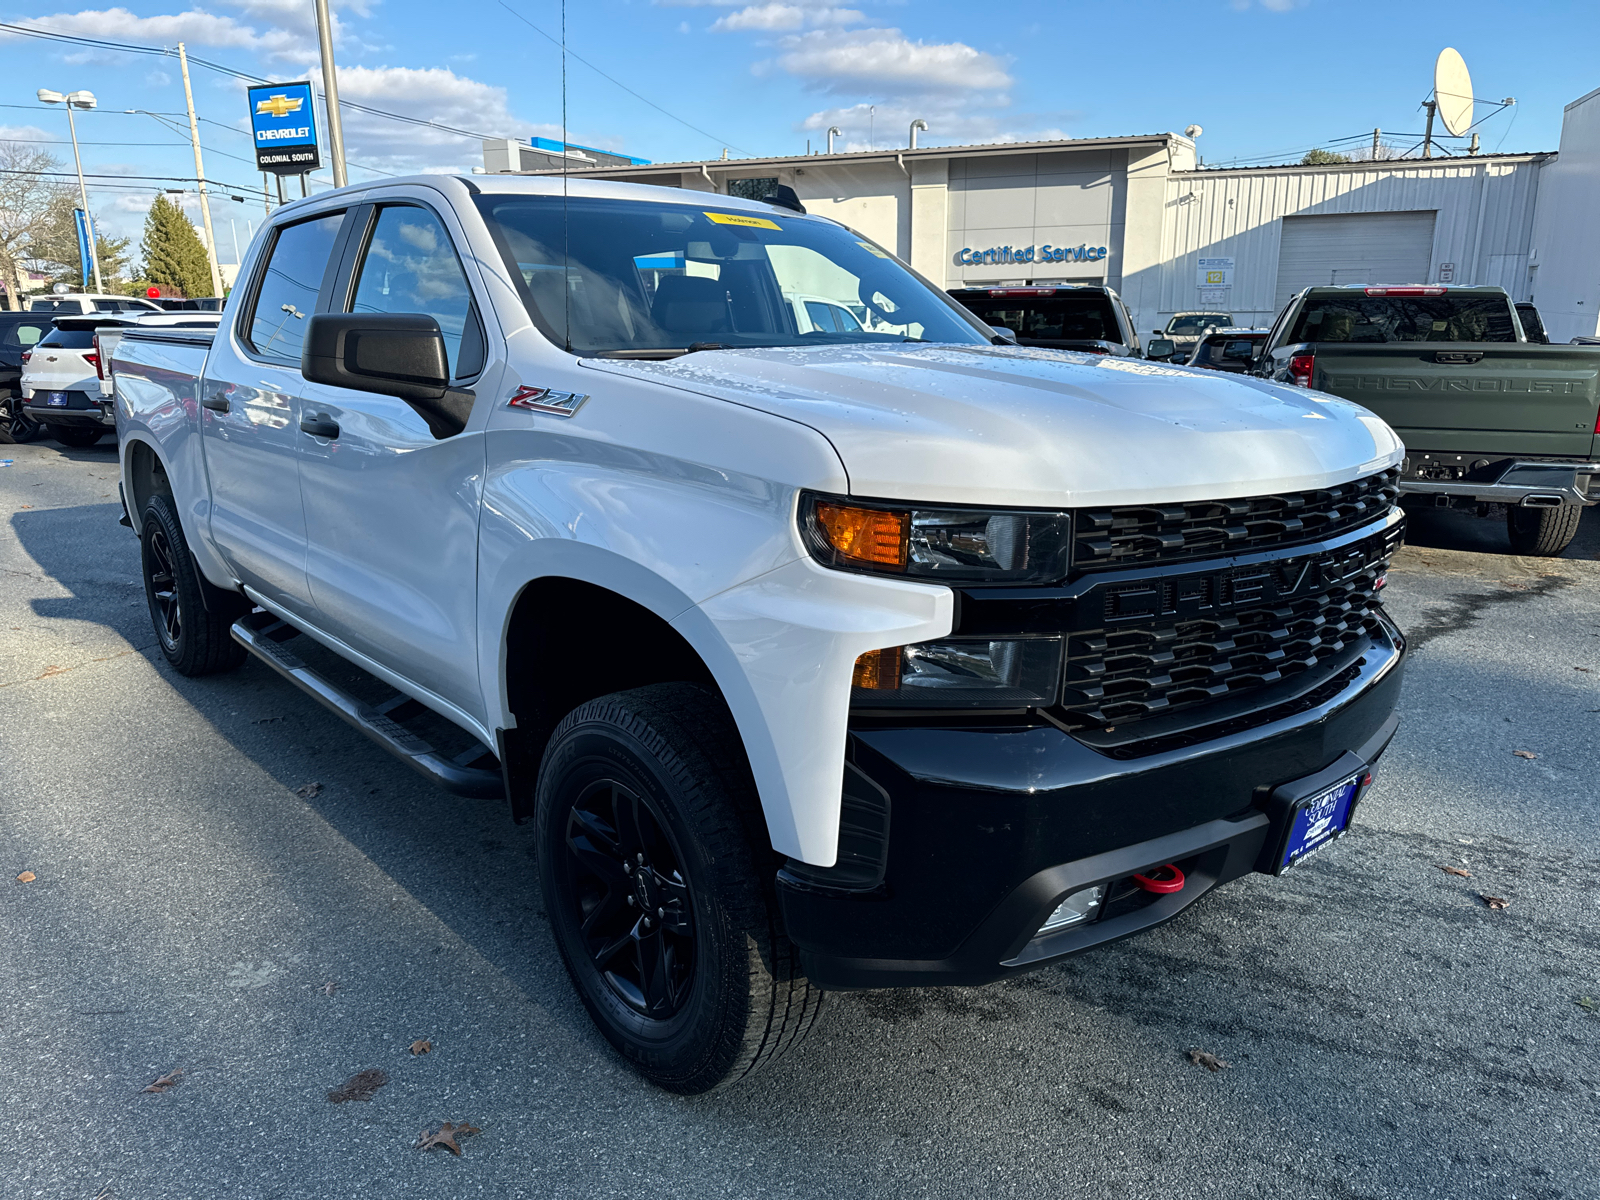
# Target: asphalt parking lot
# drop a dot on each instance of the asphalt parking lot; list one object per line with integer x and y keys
{"x": 232, "y": 884}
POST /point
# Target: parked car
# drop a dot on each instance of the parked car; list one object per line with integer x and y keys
{"x": 901, "y": 658}
{"x": 1185, "y": 328}
{"x": 88, "y": 302}
{"x": 1486, "y": 418}
{"x": 1532, "y": 323}
{"x": 1232, "y": 350}
{"x": 19, "y": 333}
{"x": 1082, "y": 316}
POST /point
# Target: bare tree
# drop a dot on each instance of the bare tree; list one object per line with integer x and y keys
{"x": 29, "y": 197}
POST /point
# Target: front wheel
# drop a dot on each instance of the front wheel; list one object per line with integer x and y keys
{"x": 1542, "y": 532}
{"x": 77, "y": 436}
{"x": 660, "y": 899}
{"x": 191, "y": 617}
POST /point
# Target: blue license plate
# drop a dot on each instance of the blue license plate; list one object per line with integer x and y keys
{"x": 1319, "y": 820}
{"x": 57, "y": 399}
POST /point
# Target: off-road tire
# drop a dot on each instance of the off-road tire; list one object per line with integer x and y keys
{"x": 745, "y": 1002}
{"x": 1542, "y": 532}
{"x": 190, "y": 615}
{"x": 80, "y": 437}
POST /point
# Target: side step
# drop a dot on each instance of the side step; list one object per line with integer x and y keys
{"x": 263, "y": 635}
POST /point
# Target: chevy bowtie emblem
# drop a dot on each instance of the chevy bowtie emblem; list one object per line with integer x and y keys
{"x": 561, "y": 404}
{"x": 279, "y": 106}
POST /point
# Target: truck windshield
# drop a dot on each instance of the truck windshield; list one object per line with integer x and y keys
{"x": 652, "y": 280}
{"x": 1405, "y": 319}
{"x": 1060, "y": 318}
{"x": 1190, "y": 324}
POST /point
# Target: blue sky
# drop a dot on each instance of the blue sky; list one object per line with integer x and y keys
{"x": 1266, "y": 79}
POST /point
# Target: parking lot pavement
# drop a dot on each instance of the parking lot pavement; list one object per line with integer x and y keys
{"x": 230, "y": 883}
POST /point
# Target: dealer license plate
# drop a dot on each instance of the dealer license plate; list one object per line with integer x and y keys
{"x": 1319, "y": 820}
{"x": 58, "y": 399}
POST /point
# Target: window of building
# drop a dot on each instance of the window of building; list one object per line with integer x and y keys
{"x": 753, "y": 189}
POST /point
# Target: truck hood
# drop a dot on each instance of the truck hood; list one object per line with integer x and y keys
{"x": 1014, "y": 425}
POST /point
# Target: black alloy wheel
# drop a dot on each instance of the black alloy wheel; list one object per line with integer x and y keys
{"x": 636, "y": 913}
{"x": 191, "y": 616}
{"x": 14, "y": 425}
{"x": 161, "y": 588}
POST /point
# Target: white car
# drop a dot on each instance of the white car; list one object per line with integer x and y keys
{"x": 64, "y": 385}
{"x": 90, "y": 302}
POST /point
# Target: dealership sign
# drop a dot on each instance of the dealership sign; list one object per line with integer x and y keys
{"x": 999, "y": 255}
{"x": 284, "y": 128}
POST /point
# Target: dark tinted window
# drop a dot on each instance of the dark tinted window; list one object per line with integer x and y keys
{"x": 1060, "y": 318}
{"x": 1532, "y": 325}
{"x": 68, "y": 339}
{"x": 411, "y": 267}
{"x": 1217, "y": 351}
{"x": 1404, "y": 319}
{"x": 19, "y": 335}
{"x": 753, "y": 189}
{"x": 1190, "y": 324}
{"x": 289, "y": 287}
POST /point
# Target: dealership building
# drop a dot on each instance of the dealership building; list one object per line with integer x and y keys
{"x": 1138, "y": 214}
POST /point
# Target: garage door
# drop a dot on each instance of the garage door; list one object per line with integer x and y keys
{"x": 1354, "y": 249}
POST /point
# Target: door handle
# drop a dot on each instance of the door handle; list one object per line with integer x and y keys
{"x": 319, "y": 425}
{"x": 217, "y": 401}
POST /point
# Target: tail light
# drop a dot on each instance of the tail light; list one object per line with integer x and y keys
{"x": 1597, "y": 424}
{"x": 1406, "y": 291}
{"x": 1300, "y": 368}
{"x": 93, "y": 359}
{"x": 26, "y": 355}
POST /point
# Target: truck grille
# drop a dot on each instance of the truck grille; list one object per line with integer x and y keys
{"x": 1138, "y": 534}
{"x": 1141, "y": 667}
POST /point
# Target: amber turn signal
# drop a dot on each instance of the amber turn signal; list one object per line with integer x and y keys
{"x": 866, "y": 535}
{"x": 878, "y": 670}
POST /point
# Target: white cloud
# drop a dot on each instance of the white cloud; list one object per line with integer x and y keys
{"x": 1269, "y": 5}
{"x": 779, "y": 17}
{"x": 886, "y": 62}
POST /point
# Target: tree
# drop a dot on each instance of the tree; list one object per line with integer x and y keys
{"x": 54, "y": 247}
{"x": 174, "y": 256}
{"x": 1322, "y": 158}
{"x": 28, "y": 200}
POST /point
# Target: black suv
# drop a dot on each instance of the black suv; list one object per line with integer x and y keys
{"x": 19, "y": 332}
{"x": 1073, "y": 316}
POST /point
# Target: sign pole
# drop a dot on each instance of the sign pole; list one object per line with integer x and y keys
{"x": 330, "y": 94}
{"x": 200, "y": 173}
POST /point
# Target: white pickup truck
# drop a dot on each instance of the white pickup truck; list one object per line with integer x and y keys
{"x": 821, "y": 657}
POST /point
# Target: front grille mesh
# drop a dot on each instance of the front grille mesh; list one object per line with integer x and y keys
{"x": 1128, "y": 672}
{"x": 1127, "y": 535}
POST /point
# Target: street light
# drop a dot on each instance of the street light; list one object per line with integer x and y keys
{"x": 74, "y": 100}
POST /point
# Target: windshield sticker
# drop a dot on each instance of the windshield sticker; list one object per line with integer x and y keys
{"x": 871, "y": 249}
{"x": 747, "y": 222}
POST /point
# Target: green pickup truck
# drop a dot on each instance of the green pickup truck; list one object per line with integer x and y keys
{"x": 1486, "y": 416}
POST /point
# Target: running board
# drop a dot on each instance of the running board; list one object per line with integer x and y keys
{"x": 256, "y": 634}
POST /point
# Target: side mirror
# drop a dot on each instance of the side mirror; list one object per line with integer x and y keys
{"x": 392, "y": 354}
{"x": 1000, "y": 331}
{"x": 1160, "y": 348}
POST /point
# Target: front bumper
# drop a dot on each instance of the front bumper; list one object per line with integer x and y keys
{"x": 80, "y": 409}
{"x": 987, "y": 829}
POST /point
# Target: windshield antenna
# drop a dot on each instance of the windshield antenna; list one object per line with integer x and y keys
{"x": 566, "y": 151}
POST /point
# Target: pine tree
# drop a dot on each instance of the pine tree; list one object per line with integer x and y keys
{"x": 174, "y": 256}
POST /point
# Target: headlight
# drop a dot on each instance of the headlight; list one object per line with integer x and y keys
{"x": 960, "y": 673}
{"x": 957, "y": 545}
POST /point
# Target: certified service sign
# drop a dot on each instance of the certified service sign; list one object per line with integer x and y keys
{"x": 284, "y": 128}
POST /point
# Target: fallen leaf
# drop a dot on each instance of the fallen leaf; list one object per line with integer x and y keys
{"x": 328, "y": 988}
{"x": 164, "y": 1084}
{"x": 1210, "y": 1062}
{"x": 1586, "y": 1003}
{"x": 1525, "y": 754}
{"x": 446, "y": 1136}
{"x": 1585, "y": 670}
{"x": 363, "y": 1085}
{"x": 27, "y": 506}
{"x": 1494, "y": 902}
{"x": 1465, "y": 874}
{"x": 307, "y": 790}
{"x": 26, "y": 877}
{"x": 421, "y": 1047}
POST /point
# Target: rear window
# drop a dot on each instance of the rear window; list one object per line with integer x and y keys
{"x": 68, "y": 339}
{"x": 1217, "y": 351}
{"x": 16, "y": 335}
{"x": 1405, "y": 319}
{"x": 1069, "y": 318}
{"x": 1189, "y": 324}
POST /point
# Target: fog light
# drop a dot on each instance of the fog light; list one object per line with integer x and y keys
{"x": 1075, "y": 909}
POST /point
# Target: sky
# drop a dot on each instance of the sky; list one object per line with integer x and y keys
{"x": 670, "y": 80}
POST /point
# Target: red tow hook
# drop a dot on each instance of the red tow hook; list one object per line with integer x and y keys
{"x": 1163, "y": 881}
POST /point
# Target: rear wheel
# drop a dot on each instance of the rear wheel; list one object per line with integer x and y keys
{"x": 1543, "y": 532}
{"x": 14, "y": 424}
{"x": 660, "y": 896}
{"x": 77, "y": 436}
{"x": 191, "y": 617}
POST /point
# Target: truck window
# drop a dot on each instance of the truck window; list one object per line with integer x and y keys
{"x": 289, "y": 286}
{"x": 1359, "y": 318}
{"x": 411, "y": 267}
{"x": 1069, "y": 317}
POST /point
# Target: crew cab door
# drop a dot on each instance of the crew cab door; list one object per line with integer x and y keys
{"x": 391, "y": 511}
{"x": 252, "y": 412}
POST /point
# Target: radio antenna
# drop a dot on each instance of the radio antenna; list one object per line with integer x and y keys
{"x": 566, "y": 250}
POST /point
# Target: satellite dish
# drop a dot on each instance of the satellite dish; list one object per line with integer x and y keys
{"x": 1193, "y": 131}
{"x": 1452, "y": 91}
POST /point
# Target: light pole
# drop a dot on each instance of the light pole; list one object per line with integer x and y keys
{"x": 330, "y": 94}
{"x": 74, "y": 100}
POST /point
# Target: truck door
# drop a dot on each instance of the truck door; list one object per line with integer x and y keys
{"x": 251, "y": 393}
{"x": 392, "y": 511}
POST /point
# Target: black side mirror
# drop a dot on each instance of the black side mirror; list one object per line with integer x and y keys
{"x": 1160, "y": 348}
{"x": 393, "y": 354}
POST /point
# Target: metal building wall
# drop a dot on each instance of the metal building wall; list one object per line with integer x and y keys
{"x": 1485, "y": 212}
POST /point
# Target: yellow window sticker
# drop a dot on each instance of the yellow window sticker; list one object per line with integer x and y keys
{"x": 741, "y": 219}
{"x": 871, "y": 249}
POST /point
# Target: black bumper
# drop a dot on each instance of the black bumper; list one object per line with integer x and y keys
{"x": 991, "y": 826}
{"x": 79, "y": 410}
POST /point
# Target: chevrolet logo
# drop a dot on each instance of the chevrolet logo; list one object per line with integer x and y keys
{"x": 279, "y": 106}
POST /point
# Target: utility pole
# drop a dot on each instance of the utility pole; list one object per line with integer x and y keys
{"x": 200, "y": 174}
{"x": 1376, "y": 143}
{"x": 330, "y": 94}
